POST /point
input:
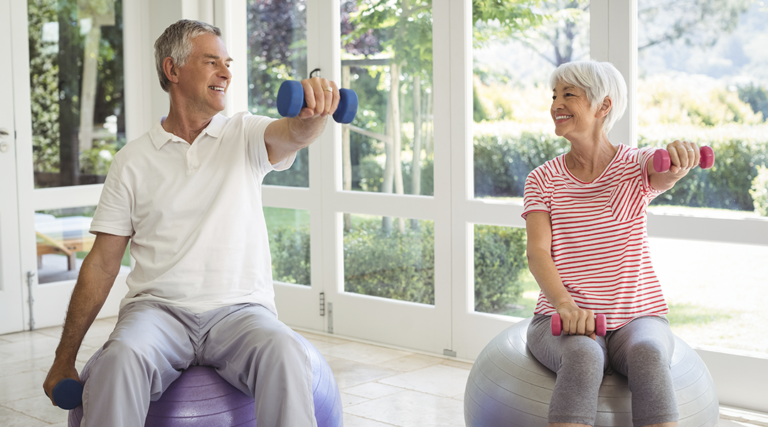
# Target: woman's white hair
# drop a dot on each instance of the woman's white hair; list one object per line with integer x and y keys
{"x": 599, "y": 80}
{"x": 176, "y": 42}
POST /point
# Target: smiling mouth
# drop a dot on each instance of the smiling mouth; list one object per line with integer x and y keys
{"x": 216, "y": 88}
{"x": 561, "y": 118}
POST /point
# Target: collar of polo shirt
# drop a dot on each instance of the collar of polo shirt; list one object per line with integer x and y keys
{"x": 160, "y": 136}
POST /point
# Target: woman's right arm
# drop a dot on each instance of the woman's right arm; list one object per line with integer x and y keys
{"x": 576, "y": 321}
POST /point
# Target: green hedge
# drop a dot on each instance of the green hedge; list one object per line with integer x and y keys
{"x": 401, "y": 266}
{"x": 499, "y": 261}
{"x": 289, "y": 247}
{"x": 726, "y": 185}
{"x": 759, "y": 191}
{"x": 502, "y": 163}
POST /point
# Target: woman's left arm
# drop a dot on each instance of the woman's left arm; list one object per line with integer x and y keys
{"x": 683, "y": 156}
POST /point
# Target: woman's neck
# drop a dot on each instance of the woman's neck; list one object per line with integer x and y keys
{"x": 588, "y": 158}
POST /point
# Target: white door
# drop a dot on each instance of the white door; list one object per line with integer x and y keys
{"x": 11, "y": 314}
{"x": 70, "y": 119}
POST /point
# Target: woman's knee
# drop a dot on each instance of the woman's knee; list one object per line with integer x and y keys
{"x": 648, "y": 352}
{"x": 584, "y": 353}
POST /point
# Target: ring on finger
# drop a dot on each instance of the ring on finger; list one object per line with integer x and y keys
{"x": 328, "y": 89}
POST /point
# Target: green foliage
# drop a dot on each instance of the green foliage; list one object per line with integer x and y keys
{"x": 44, "y": 76}
{"x": 290, "y": 250}
{"x": 757, "y": 98}
{"x": 503, "y": 162}
{"x": 427, "y": 177}
{"x": 503, "y": 19}
{"x": 55, "y": 83}
{"x": 759, "y": 191}
{"x": 726, "y": 185}
{"x": 296, "y": 176}
{"x": 499, "y": 261}
{"x": 696, "y": 22}
{"x": 478, "y": 110}
{"x": 405, "y": 28}
{"x": 97, "y": 160}
{"x": 398, "y": 266}
{"x": 698, "y": 101}
{"x": 689, "y": 314}
{"x": 401, "y": 265}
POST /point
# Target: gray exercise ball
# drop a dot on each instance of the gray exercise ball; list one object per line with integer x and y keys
{"x": 509, "y": 387}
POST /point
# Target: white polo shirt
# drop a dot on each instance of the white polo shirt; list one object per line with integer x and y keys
{"x": 194, "y": 215}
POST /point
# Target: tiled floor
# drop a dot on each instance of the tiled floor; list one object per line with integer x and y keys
{"x": 379, "y": 386}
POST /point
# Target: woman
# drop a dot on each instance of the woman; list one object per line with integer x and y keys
{"x": 585, "y": 215}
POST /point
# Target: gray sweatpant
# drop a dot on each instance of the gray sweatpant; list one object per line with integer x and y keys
{"x": 641, "y": 350}
{"x": 152, "y": 343}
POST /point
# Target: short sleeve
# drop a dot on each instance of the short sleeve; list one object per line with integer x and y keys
{"x": 113, "y": 214}
{"x": 255, "y": 127}
{"x": 643, "y": 156}
{"x": 536, "y": 197}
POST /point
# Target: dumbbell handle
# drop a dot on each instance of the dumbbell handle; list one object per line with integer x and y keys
{"x": 290, "y": 101}
{"x": 67, "y": 394}
{"x": 662, "y": 162}
{"x": 557, "y": 324}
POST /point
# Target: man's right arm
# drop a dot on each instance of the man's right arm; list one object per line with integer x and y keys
{"x": 97, "y": 275}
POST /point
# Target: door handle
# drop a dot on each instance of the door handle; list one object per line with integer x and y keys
{"x": 3, "y": 145}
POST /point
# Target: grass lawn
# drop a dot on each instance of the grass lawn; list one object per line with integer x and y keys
{"x": 280, "y": 217}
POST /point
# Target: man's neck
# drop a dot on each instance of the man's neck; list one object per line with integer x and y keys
{"x": 186, "y": 126}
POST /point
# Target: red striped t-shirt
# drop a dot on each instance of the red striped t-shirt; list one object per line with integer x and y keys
{"x": 599, "y": 237}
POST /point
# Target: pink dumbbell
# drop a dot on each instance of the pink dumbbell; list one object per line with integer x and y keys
{"x": 557, "y": 324}
{"x": 661, "y": 161}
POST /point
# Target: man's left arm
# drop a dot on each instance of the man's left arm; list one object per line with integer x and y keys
{"x": 288, "y": 135}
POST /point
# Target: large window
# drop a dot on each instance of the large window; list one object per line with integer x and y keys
{"x": 702, "y": 78}
{"x": 387, "y": 60}
{"x": 390, "y": 258}
{"x": 513, "y": 132}
{"x": 63, "y": 241}
{"x": 514, "y": 55}
{"x": 277, "y": 51}
{"x": 76, "y": 82}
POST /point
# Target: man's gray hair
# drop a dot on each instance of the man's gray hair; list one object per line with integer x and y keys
{"x": 176, "y": 42}
{"x": 599, "y": 80}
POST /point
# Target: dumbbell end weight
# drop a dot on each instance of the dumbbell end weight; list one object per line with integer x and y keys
{"x": 556, "y": 324}
{"x": 347, "y": 108}
{"x": 68, "y": 394}
{"x": 707, "y": 157}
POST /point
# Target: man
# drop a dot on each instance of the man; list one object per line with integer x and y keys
{"x": 188, "y": 196}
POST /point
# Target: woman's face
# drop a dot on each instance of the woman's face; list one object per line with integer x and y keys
{"x": 572, "y": 112}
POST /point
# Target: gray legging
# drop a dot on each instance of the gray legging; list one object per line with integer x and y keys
{"x": 641, "y": 350}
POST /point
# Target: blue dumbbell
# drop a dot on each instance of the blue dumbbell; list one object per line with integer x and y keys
{"x": 68, "y": 394}
{"x": 290, "y": 101}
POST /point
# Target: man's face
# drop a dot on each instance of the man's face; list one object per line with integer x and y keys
{"x": 204, "y": 79}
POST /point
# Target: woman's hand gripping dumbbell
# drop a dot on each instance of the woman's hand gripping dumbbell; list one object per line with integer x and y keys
{"x": 663, "y": 159}
{"x": 557, "y": 324}
{"x": 291, "y": 100}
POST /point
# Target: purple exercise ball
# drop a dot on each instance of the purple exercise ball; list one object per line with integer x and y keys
{"x": 201, "y": 398}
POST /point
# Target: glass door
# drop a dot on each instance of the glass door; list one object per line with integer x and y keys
{"x": 68, "y": 58}
{"x": 11, "y": 303}
{"x": 386, "y": 203}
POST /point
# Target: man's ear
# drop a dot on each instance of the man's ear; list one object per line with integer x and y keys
{"x": 170, "y": 69}
{"x": 605, "y": 108}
